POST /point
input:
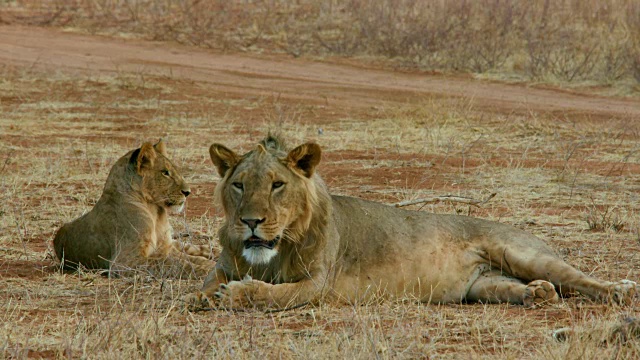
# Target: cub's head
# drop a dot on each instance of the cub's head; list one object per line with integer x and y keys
{"x": 267, "y": 195}
{"x": 161, "y": 184}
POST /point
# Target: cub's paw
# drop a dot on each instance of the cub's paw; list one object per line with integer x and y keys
{"x": 539, "y": 293}
{"x": 622, "y": 292}
{"x": 202, "y": 251}
{"x": 197, "y": 302}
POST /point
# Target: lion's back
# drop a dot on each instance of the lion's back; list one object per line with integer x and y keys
{"x": 78, "y": 242}
{"x": 376, "y": 229}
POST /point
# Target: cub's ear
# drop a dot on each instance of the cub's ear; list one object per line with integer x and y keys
{"x": 305, "y": 158}
{"x": 144, "y": 157}
{"x": 223, "y": 158}
{"x": 161, "y": 147}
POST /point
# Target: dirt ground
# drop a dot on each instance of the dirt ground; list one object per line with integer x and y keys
{"x": 341, "y": 86}
{"x": 564, "y": 165}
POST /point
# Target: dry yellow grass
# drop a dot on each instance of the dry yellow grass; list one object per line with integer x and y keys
{"x": 555, "y": 175}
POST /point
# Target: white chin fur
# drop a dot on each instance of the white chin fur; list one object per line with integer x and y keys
{"x": 176, "y": 209}
{"x": 259, "y": 255}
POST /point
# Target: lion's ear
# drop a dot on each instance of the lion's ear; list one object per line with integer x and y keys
{"x": 144, "y": 157}
{"x": 305, "y": 158}
{"x": 223, "y": 158}
{"x": 161, "y": 147}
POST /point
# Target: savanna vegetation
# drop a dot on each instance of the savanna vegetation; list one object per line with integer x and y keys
{"x": 567, "y": 42}
{"x": 569, "y": 175}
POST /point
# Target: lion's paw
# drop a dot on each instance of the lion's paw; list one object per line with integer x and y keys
{"x": 197, "y": 302}
{"x": 539, "y": 293}
{"x": 622, "y": 292}
{"x": 237, "y": 294}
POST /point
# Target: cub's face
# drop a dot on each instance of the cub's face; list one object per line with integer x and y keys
{"x": 166, "y": 186}
{"x": 162, "y": 183}
{"x": 264, "y": 195}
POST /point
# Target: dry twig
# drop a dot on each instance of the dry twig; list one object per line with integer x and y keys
{"x": 449, "y": 198}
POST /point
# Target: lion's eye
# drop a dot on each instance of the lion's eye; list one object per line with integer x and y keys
{"x": 166, "y": 172}
{"x": 238, "y": 185}
{"x": 277, "y": 185}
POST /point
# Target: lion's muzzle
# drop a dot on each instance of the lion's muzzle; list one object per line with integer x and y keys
{"x": 255, "y": 241}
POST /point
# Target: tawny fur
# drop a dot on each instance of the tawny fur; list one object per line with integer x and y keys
{"x": 129, "y": 228}
{"x": 343, "y": 248}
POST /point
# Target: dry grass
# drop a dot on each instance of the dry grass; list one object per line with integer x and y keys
{"x": 584, "y": 43}
{"x": 567, "y": 178}
{"x": 61, "y": 133}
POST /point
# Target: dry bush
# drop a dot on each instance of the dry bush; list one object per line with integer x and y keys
{"x": 554, "y": 41}
{"x": 581, "y": 41}
{"x": 632, "y": 22}
{"x": 604, "y": 218}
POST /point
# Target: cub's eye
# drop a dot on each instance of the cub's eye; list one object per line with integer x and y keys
{"x": 238, "y": 185}
{"x": 277, "y": 185}
{"x": 166, "y": 172}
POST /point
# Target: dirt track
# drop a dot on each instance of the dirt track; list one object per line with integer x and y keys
{"x": 343, "y": 85}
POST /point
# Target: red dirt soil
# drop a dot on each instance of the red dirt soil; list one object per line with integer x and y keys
{"x": 346, "y": 86}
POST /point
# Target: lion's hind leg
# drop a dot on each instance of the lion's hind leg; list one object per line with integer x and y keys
{"x": 179, "y": 264}
{"x": 493, "y": 287}
{"x": 204, "y": 251}
{"x": 530, "y": 264}
{"x": 539, "y": 293}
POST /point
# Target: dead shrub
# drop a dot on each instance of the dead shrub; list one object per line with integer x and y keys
{"x": 604, "y": 218}
{"x": 556, "y": 41}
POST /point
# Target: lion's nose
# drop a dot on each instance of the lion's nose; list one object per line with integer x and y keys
{"x": 186, "y": 192}
{"x": 252, "y": 223}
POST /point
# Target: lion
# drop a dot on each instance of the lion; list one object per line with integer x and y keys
{"x": 287, "y": 242}
{"x": 129, "y": 226}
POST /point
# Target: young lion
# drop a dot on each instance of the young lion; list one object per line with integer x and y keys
{"x": 129, "y": 226}
{"x": 287, "y": 241}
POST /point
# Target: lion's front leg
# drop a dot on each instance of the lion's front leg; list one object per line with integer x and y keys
{"x": 232, "y": 295}
{"x": 243, "y": 294}
{"x": 259, "y": 294}
{"x": 204, "y": 299}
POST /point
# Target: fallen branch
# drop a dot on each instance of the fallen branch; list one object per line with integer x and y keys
{"x": 449, "y": 198}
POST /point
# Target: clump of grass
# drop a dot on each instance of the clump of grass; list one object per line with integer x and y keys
{"x": 604, "y": 218}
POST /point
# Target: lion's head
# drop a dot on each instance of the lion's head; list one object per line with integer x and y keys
{"x": 160, "y": 181}
{"x": 268, "y": 195}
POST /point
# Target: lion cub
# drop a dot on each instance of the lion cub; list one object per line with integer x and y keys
{"x": 129, "y": 226}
